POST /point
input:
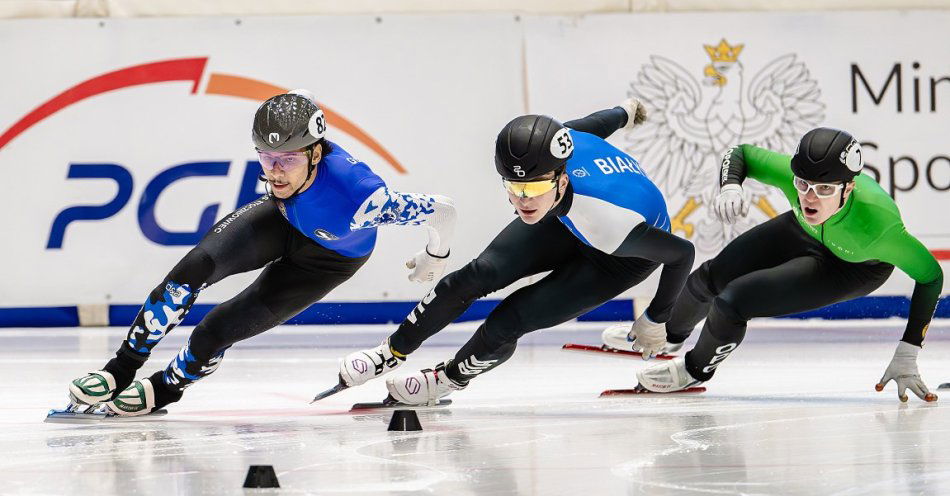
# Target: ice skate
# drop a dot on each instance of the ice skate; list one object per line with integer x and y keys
{"x": 621, "y": 337}
{"x": 92, "y": 388}
{"x": 667, "y": 377}
{"x": 137, "y": 399}
{"x": 86, "y": 394}
{"x": 423, "y": 388}
{"x": 359, "y": 367}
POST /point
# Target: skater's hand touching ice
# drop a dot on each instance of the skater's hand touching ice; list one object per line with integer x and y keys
{"x": 425, "y": 267}
{"x": 731, "y": 204}
{"x": 903, "y": 370}
{"x": 649, "y": 337}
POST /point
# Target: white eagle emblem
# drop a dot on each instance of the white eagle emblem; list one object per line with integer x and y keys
{"x": 693, "y": 123}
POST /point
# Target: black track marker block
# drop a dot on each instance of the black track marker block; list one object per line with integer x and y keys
{"x": 261, "y": 476}
{"x": 405, "y": 420}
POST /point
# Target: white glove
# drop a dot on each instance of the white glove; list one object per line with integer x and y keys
{"x": 636, "y": 112}
{"x": 731, "y": 204}
{"x": 648, "y": 337}
{"x": 425, "y": 267}
{"x": 903, "y": 370}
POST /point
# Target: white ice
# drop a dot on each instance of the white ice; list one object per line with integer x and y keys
{"x": 792, "y": 411}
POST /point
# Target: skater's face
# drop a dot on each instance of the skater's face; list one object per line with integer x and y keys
{"x": 816, "y": 208}
{"x": 287, "y": 172}
{"x": 532, "y": 209}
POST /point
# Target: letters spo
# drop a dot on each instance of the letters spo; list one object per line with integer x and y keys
{"x": 153, "y": 190}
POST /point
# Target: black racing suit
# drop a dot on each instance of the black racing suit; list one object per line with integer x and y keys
{"x": 581, "y": 278}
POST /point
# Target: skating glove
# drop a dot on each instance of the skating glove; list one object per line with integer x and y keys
{"x": 731, "y": 204}
{"x": 903, "y": 370}
{"x": 425, "y": 267}
{"x": 636, "y": 112}
{"x": 649, "y": 337}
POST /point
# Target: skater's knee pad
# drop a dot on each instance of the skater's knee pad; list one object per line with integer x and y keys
{"x": 506, "y": 324}
{"x": 195, "y": 269}
{"x": 726, "y": 315}
{"x": 205, "y": 343}
{"x": 700, "y": 283}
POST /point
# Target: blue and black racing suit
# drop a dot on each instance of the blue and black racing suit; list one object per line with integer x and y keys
{"x": 307, "y": 244}
{"x": 608, "y": 233}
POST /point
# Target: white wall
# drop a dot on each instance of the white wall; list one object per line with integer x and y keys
{"x": 163, "y": 8}
{"x": 433, "y": 90}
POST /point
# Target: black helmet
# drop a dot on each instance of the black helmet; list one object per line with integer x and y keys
{"x": 827, "y": 155}
{"x": 288, "y": 122}
{"x": 530, "y": 146}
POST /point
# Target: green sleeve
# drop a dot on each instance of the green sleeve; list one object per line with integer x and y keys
{"x": 770, "y": 168}
{"x": 900, "y": 248}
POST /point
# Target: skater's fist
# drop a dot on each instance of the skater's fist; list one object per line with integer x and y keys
{"x": 731, "y": 204}
{"x": 649, "y": 337}
{"x": 903, "y": 371}
{"x": 425, "y": 267}
{"x": 636, "y": 112}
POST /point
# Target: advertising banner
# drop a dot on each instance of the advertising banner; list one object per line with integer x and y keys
{"x": 124, "y": 141}
{"x": 713, "y": 81}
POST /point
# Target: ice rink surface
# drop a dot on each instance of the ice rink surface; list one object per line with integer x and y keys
{"x": 792, "y": 411}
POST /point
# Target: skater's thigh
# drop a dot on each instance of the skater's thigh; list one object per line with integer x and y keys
{"x": 521, "y": 250}
{"x": 279, "y": 293}
{"x": 246, "y": 239}
{"x": 798, "y": 285}
{"x": 566, "y": 293}
{"x": 769, "y": 244}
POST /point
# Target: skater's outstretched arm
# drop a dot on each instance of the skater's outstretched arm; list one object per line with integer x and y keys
{"x": 904, "y": 251}
{"x": 435, "y": 212}
{"x": 603, "y": 123}
{"x": 675, "y": 253}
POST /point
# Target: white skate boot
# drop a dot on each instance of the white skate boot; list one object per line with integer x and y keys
{"x": 361, "y": 366}
{"x": 667, "y": 377}
{"x": 92, "y": 388}
{"x": 623, "y": 337}
{"x": 137, "y": 399}
{"x": 423, "y": 388}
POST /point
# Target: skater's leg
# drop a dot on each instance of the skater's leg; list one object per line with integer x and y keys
{"x": 284, "y": 289}
{"x": 767, "y": 245}
{"x": 576, "y": 287}
{"x": 566, "y": 293}
{"x": 246, "y": 239}
{"x": 801, "y": 284}
{"x": 518, "y": 251}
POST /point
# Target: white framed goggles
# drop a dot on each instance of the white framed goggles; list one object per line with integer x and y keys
{"x": 822, "y": 190}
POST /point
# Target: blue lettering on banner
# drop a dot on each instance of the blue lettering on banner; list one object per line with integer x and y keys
{"x": 148, "y": 223}
{"x": 117, "y": 173}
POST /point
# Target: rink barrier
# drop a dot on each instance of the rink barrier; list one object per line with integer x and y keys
{"x": 868, "y": 307}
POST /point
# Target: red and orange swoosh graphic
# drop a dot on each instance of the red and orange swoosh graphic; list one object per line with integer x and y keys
{"x": 187, "y": 69}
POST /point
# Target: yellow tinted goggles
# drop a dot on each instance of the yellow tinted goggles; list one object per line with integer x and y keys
{"x": 530, "y": 189}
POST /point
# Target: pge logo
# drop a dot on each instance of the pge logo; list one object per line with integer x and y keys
{"x": 189, "y": 70}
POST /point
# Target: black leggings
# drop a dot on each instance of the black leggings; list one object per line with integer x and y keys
{"x": 770, "y": 270}
{"x": 298, "y": 273}
{"x": 582, "y": 278}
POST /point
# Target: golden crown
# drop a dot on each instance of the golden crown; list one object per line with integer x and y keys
{"x": 724, "y": 52}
